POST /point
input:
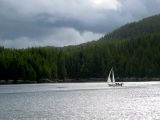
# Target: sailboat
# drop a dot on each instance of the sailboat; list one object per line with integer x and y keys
{"x": 111, "y": 80}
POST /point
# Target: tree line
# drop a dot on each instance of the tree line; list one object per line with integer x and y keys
{"x": 135, "y": 57}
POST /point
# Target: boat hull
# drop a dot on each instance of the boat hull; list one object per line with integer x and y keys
{"x": 115, "y": 84}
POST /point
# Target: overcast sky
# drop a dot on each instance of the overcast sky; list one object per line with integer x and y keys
{"x": 30, "y": 23}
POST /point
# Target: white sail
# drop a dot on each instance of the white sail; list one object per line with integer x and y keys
{"x": 109, "y": 77}
{"x": 113, "y": 79}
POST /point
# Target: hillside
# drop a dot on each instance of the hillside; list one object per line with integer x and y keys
{"x": 132, "y": 30}
{"x": 136, "y": 58}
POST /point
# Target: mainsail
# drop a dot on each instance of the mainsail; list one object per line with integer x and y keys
{"x": 113, "y": 79}
{"x": 109, "y": 78}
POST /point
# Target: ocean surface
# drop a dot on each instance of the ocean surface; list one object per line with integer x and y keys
{"x": 80, "y": 101}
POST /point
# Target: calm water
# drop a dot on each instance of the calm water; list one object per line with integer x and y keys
{"x": 80, "y": 101}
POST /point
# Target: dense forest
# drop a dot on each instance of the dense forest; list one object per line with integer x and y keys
{"x": 136, "y": 29}
{"x": 132, "y": 50}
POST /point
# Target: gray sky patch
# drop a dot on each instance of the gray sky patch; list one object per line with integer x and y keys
{"x": 26, "y": 23}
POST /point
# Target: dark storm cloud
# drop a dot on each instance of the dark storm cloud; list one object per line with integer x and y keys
{"x": 26, "y": 23}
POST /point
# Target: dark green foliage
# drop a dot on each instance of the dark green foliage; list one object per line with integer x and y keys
{"x": 133, "y": 30}
{"x": 139, "y": 57}
{"x": 62, "y": 73}
{"x": 130, "y": 53}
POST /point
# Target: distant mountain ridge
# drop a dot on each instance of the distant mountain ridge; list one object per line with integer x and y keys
{"x": 150, "y": 25}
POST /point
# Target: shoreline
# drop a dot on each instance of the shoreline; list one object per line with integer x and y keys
{"x": 89, "y": 80}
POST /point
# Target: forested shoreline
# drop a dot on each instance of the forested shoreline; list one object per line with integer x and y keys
{"x": 131, "y": 58}
{"x": 132, "y": 50}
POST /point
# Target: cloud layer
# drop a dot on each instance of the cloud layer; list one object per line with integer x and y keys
{"x": 26, "y": 23}
{"x": 57, "y": 37}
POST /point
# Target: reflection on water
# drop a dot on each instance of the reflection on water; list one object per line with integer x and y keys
{"x": 80, "y": 101}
